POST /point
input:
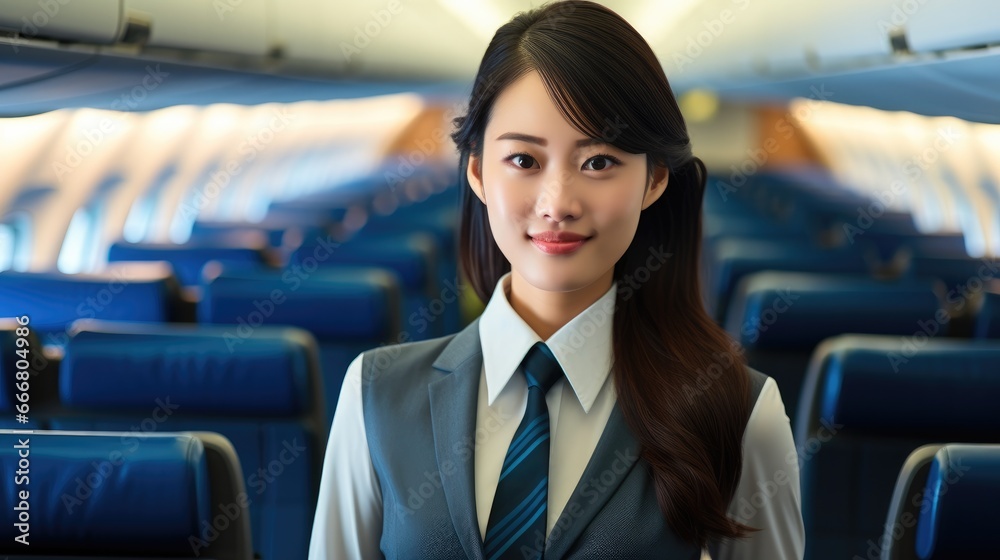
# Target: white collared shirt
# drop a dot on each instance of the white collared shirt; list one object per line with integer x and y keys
{"x": 348, "y": 522}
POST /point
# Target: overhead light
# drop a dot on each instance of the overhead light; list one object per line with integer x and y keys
{"x": 483, "y": 20}
{"x": 698, "y": 105}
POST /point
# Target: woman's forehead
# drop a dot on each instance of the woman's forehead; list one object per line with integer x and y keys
{"x": 526, "y": 109}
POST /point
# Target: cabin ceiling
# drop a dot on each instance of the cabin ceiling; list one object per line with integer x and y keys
{"x": 925, "y": 56}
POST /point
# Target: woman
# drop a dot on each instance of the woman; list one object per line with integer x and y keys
{"x": 594, "y": 410}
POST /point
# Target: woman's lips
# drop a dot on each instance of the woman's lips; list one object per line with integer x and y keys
{"x": 558, "y": 248}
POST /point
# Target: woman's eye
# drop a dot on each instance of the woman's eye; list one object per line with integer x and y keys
{"x": 599, "y": 163}
{"x": 524, "y": 161}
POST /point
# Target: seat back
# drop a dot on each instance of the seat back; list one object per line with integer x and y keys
{"x": 734, "y": 259}
{"x": 780, "y": 317}
{"x": 411, "y": 256}
{"x": 988, "y": 316}
{"x": 960, "y": 273}
{"x": 261, "y": 390}
{"x": 944, "y": 504}
{"x": 123, "y": 292}
{"x": 348, "y": 310}
{"x": 188, "y": 259}
{"x": 867, "y": 402}
{"x": 899, "y": 541}
{"x": 98, "y": 494}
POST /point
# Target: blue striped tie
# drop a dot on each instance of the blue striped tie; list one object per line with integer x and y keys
{"x": 517, "y": 519}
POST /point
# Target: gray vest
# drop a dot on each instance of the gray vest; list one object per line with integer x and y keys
{"x": 420, "y": 402}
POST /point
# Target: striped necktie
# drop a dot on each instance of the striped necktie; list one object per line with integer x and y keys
{"x": 517, "y": 518}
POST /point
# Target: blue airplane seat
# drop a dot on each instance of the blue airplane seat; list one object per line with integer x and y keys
{"x": 943, "y": 504}
{"x": 721, "y": 201}
{"x": 726, "y": 212}
{"x": 261, "y": 389}
{"x": 807, "y": 197}
{"x": 780, "y": 317}
{"x": 732, "y": 259}
{"x": 283, "y": 236}
{"x": 104, "y": 494}
{"x": 907, "y": 243}
{"x": 441, "y": 224}
{"x": 348, "y": 310}
{"x": 988, "y": 316}
{"x": 412, "y": 256}
{"x": 146, "y": 292}
{"x": 716, "y": 229}
{"x": 867, "y": 403}
{"x": 962, "y": 275}
{"x": 212, "y": 231}
{"x": 189, "y": 258}
{"x": 330, "y": 206}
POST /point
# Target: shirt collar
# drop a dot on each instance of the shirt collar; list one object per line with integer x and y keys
{"x": 582, "y": 346}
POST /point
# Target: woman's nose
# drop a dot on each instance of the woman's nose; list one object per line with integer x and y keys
{"x": 558, "y": 200}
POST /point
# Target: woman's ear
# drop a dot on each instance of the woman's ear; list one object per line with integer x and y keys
{"x": 474, "y": 173}
{"x": 658, "y": 184}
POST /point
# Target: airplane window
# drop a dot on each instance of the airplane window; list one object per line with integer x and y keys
{"x": 140, "y": 215}
{"x": 73, "y": 257}
{"x": 137, "y": 220}
{"x": 6, "y": 246}
{"x": 19, "y": 234}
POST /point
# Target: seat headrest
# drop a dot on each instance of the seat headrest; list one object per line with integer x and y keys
{"x": 788, "y": 310}
{"x": 962, "y": 493}
{"x": 188, "y": 259}
{"x": 408, "y": 255}
{"x": 124, "y": 292}
{"x": 334, "y": 304}
{"x": 938, "y": 386}
{"x": 988, "y": 317}
{"x": 959, "y": 273}
{"x": 736, "y": 259}
{"x": 202, "y": 369}
{"x": 103, "y": 492}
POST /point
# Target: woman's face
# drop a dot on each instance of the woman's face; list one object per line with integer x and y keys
{"x": 541, "y": 176}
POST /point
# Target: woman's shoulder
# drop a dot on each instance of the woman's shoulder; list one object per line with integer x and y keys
{"x": 767, "y": 410}
{"x": 404, "y": 358}
{"x": 757, "y": 382}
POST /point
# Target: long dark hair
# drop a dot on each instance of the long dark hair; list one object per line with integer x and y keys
{"x": 681, "y": 382}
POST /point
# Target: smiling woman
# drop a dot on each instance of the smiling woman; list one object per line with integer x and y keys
{"x": 577, "y": 168}
{"x": 562, "y": 191}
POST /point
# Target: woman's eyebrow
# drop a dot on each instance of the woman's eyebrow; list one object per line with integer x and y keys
{"x": 582, "y": 143}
